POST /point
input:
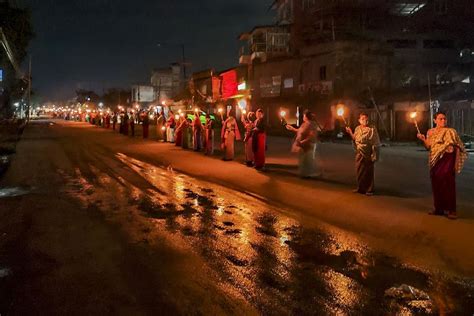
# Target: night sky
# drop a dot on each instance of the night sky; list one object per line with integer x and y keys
{"x": 96, "y": 44}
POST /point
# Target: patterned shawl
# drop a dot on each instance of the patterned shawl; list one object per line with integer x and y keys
{"x": 440, "y": 139}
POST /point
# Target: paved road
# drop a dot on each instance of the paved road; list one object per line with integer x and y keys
{"x": 94, "y": 222}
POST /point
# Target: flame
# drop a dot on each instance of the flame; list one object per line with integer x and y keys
{"x": 413, "y": 115}
{"x": 282, "y": 113}
{"x": 163, "y": 128}
{"x": 244, "y": 111}
{"x": 176, "y": 117}
{"x": 340, "y": 111}
{"x": 220, "y": 110}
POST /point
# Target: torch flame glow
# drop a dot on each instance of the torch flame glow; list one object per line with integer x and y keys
{"x": 176, "y": 117}
{"x": 163, "y": 128}
{"x": 282, "y": 113}
{"x": 413, "y": 115}
{"x": 244, "y": 111}
{"x": 220, "y": 110}
{"x": 340, "y": 111}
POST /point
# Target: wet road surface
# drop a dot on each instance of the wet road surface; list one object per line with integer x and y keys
{"x": 171, "y": 243}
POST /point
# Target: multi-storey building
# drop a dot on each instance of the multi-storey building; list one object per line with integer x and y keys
{"x": 357, "y": 51}
{"x": 166, "y": 82}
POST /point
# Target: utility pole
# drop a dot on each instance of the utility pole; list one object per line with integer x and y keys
{"x": 184, "y": 62}
{"x": 378, "y": 113}
{"x": 429, "y": 97}
{"x": 29, "y": 92}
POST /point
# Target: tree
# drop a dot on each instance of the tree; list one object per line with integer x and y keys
{"x": 16, "y": 24}
{"x": 116, "y": 96}
{"x": 84, "y": 96}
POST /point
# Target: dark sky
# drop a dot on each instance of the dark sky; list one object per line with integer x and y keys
{"x": 104, "y": 43}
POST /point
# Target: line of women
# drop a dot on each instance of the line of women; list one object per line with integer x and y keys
{"x": 447, "y": 155}
{"x": 193, "y": 134}
{"x": 447, "y": 152}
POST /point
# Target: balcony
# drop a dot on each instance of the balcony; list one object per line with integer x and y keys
{"x": 244, "y": 59}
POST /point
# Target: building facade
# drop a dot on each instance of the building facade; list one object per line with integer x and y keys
{"x": 365, "y": 54}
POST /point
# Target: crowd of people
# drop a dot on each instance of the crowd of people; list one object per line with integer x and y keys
{"x": 447, "y": 153}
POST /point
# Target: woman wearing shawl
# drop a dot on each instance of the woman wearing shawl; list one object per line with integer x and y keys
{"x": 305, "y": 144}
{"x": 249, "y": 126}
{"x": 366, "y": 143}
{"x": 259, "y": 141}
{"x": 170, "y": 126}
{"x": 145, "y": 124}
{"x": 178, "y": 140}
{"x": 447, "y": 157}
{"x": 197, "y": 132}
{"x": 160, "y": 122}
{"x": 188, "y": 134}
{"x": 229, "y": 133}
{"x": 209, "y": 136}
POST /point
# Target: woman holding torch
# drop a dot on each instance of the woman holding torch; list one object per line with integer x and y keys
{"x": 447, "y": 157}
{"x": 209, "y": 136}
{"x": 366, "y": 143}
{"x": 197, "y": 131}
{"x": 259, "y": 141}
{"x": 229, "y": 133}
{"x": 305, "y": 144}
{"x": 178, "y": 133}
{"x": 170, "y": 126}
{"x": 248, "y": 122}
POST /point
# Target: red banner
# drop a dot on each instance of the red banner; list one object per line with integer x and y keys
{"x": 229, "y": 84}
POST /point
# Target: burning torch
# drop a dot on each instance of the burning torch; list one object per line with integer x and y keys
{"x": 340, "y": 113}
{"x": 282, "y": 118}
{"x": 413, "y": 117}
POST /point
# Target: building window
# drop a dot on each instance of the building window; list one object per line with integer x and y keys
{"x": 307, "y": 4}
{"x": 441, "y": 6}
{"x": 322, "y": 73}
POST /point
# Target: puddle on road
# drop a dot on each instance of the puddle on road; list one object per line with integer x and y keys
{"x": 275, "y": 262}
{"x": 12, "y": 192}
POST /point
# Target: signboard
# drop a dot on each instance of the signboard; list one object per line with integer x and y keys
{"x": 216, "y": 87}
{"x": 270, "y": 86}
{"x": 1, "y": 75}
{"x": 229, "y": 84}
{"x": 318, "y": 87}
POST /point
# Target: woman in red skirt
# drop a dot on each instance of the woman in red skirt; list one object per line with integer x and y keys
{"x": 447, "y": 157}
{"x": 259, "y": 141}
